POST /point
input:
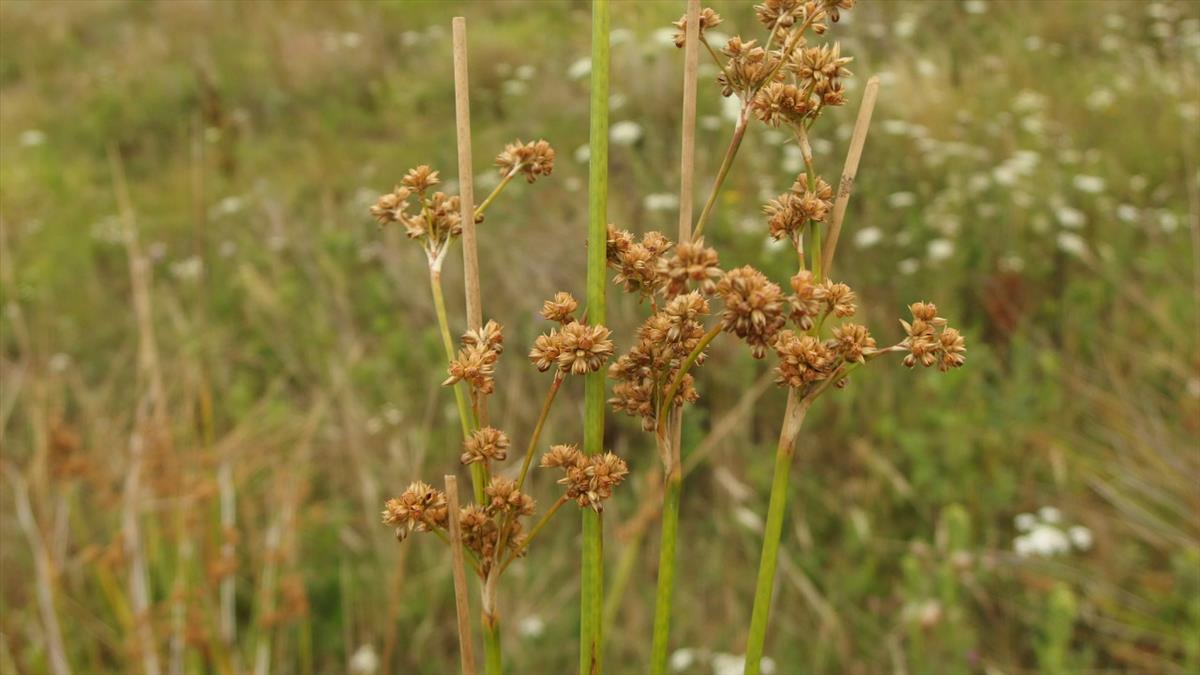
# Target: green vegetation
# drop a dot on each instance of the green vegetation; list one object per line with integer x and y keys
{"x": 1032, "y": 165}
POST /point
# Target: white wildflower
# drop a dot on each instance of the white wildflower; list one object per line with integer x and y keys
{"x": 939, "y": 250}
{"x": 532, "y": 626}
{"x": 908, "y": 266}
{"x": 868, "y": 237}
{"x": 1073, "y": 244}
{"x": 1050, "y": 514}
{"x": 1070, "y": 218}
{"x": 1081, "y": 537}
{"x": 32, "y": 137}
{"x": 580, "y": 69}
{"x": 364, "y": 661}
{"x": 660, "y": 201}
{"x": 682, "y": 659}
{"x": 899, "y": 200}
{"x": 625, "y": 132}
{"x": 728, "y": 664}
{"x": 188, "y": 269}
{"x": 1089, "y": 184}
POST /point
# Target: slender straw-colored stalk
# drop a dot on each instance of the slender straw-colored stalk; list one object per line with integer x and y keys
{"x": 462, "y": 603}
{"x": 673, "y": 475}
{"x": 793, "y": 419}
{"x": 591, "y": 604}
{"x": 43, "y": 574}
{"x": 857, "y": 140}
{"x": 466, "y": 187}
{"x": 460, "y": 398}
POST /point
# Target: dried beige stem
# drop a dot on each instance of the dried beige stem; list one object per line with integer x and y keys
{"x": 44, "y": 576}
{"x": 849, "y": 171}
{"x": 466, "y": 187}
{"x": 462, "y": 603}
{"x": 687, "y": 154}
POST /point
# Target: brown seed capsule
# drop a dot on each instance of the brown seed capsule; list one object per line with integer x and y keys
{"x": 802, "y": 359}
{"x": 853, "y": 341}
{"x": 504, "y": 497}
{"x": 490, "y": 336}
{"x": 691, "y": 263}
{"x": 485, "y": 444}
{"x": 753, "y": 308}
{"x": 583, "y": 348}
{"x": 560, "y": 308}
{"x": 708, "y": 19}
{"x": 533, "y": 159}
{"x": 421, "y": 178}
{"x": 419, "y": 508}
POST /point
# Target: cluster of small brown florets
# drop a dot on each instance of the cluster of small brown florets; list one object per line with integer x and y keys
{"x": 423, "y": 508}
{"x": 534, "y": 159}
{"x": 685, "y": 275}
{"x": 576, "y": 348}
{"x": 784, "y": 81}
{"x": 436, "y": 220}
{"x": 790, "y": 212}
{"x": 930, "y": 341}
{"x": 664, "y": 342}
{"x": 476, "y": 360}
{"x": 589, "y": 480}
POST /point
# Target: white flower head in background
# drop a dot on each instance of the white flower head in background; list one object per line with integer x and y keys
{"x": 364, "y": 661}
{"x": 580, "y": 69}
{"x": 625, "y": 132}
{"x": 1072, "y": 244}
{"x": 939, "y": 250}
{"x": 1090, "y": 184}
{"x": 1045, "y": 534}
{"x": 868, "y": 237}
{"x": 32, "y": 137}
{"x": 531, "y": 626}
{"x": 660, "y": 201}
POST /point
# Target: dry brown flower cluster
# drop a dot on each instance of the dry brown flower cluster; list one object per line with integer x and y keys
{"x": 589, "y": 480}
{"x": 930, "y": 341}
{"x": 420, "y": 508}
{"x": 576, "y": 348}
{"x": 708, "y": 19}
{"x": 534, "y": 159}
{"x": 789, "y": 213}
{"x": 669, "y": 336}
{"x": 436, "y": 219}
{"x": 476, "y": 360}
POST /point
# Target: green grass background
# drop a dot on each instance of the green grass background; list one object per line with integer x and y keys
{"x": 1032, "y": 169}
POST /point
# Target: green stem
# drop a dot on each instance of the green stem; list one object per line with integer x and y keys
{"x": 534, "y": 532}
{"x": 816, "y": 251}
{"x": 495, "y": 192}
{"x": 792, "y": 421}
{"x": 736, "y": 142}
{"x": 668, "y": 400}
{"x": 591, "y": 604}
{"x": 541, "y": 422}
{"x": 460, "y": 399}
{"x": 491, "y": 646}
{"x": 666, "y": 573}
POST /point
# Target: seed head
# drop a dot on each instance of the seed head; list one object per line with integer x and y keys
{"x": 421, "y": 178}
{"x": 780, "y": 103}
{"x": 802, "y": 359}
{"x": 391, "y": 206}
{"x": 485, "y": 444}
{"x": 546, "y": 350}
{"x": 853, "y": 341}
{"x": 490, "y": 336}
{"x": 838, "y": 298}
{"x": 926, "y": 345}
{"x": 821, "y": 68}
{"x": 504, "y": 497}
{"x": 804, "y": 307}
{"x": 476, "y": 365}
{"x": 708, "y": 19}
{"x": 753, "y": 308}
{"x": 533, "y": 159}
{"x": 560, "y": 308}
{"x": 583, "y": 348}
{"x": 692, "y": 263}
{"x": 782, "y": 13}
{"x": 420, "y": 508}
{"x": 589, "y": 479}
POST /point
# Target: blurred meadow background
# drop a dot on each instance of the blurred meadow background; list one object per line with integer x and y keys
{"x": 1031, "y": 168}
